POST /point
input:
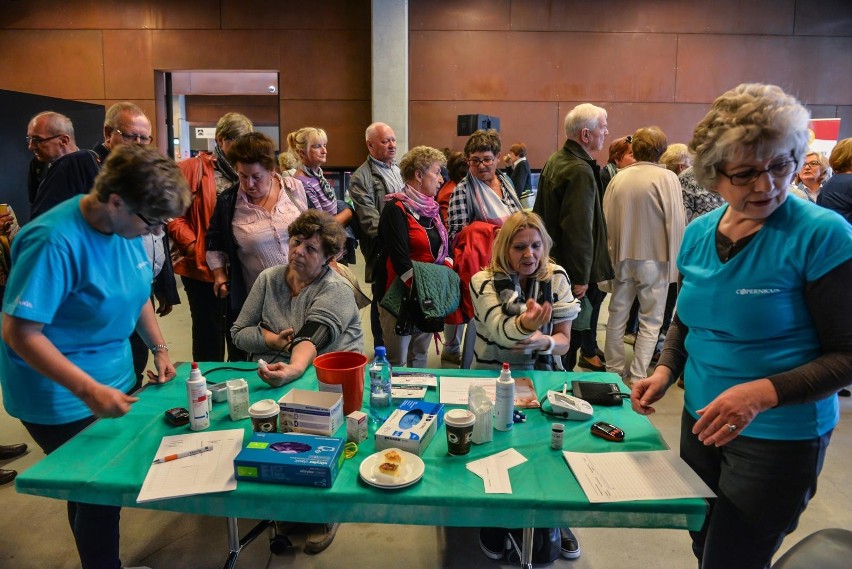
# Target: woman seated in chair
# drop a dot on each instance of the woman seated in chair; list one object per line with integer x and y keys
{"x": 297, "y": 311}
{"x": 523, "y": 308}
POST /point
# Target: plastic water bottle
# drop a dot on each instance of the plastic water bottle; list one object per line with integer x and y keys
{"x": 196, "y": 392}
{"x": 380, "y": 387}
{"x": 504, "y": 407}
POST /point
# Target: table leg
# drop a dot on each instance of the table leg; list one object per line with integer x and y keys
{"x": 235, "y": 544}
{"x": 526, "y": 549}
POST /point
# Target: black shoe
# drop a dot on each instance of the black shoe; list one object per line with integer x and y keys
{"x": 12, "y": 451}
{"x": 570, "y": 545}
{"x": 7, "y": 476}
{"x": 593, "y": 363}
{"x": 844, "y": 392}
{"x": 492, "y": 542}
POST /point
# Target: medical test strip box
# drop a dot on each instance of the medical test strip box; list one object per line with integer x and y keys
{"x": 314, "y": 412}
{"x": 291, "y": 458}
{"x": 410, "y": 427}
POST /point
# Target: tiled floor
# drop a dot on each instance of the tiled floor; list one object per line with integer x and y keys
{"x": 34, "y": 531}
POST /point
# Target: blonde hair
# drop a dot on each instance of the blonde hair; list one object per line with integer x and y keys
{"x": 512, "y": 226}
{"x": 420, "y": 159}
{"x": 841, "y": 157}
{"x": 300, "y": 140}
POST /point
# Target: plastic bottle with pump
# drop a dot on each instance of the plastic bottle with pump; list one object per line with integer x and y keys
{"x": 196, "y": 391}
{"x": 504, "y": 405}
{"x": 380, "y": 387}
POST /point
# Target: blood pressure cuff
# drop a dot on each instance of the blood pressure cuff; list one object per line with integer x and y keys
{"x": 317, "y": 334}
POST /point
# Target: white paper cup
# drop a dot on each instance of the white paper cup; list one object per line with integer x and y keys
{"x": 264, "y": 416}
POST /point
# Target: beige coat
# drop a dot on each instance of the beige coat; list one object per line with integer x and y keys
{"x": 644, "y": 215}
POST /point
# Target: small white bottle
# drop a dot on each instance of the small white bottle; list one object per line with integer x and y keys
{"x": 504, "y": 405}
{"x": 196, "y": 391}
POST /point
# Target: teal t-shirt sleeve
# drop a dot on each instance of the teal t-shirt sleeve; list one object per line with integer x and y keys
{"x": 40, "y": 278}
{"x": 831, "y": 245}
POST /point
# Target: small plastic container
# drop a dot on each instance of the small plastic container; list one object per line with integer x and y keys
{"x": 238, "y": 399}
{"x": 480, "y": 405}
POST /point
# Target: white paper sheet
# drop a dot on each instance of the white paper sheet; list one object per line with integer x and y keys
{"x": 202, "y": 473}
{"x": 453, "y": 390}
{"x": 627, "y": 476}
{"x": 494, "y": 470}
{"x": 411, "y": 379}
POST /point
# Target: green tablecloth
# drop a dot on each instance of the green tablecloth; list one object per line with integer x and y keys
{"x": 107, "y": 463}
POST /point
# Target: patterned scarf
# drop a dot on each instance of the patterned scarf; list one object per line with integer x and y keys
{"x": 325, "y": 199}
{"x": 223, "y": 166}
{"x": 487, "y": 205}
{"x": 422, "y": 205}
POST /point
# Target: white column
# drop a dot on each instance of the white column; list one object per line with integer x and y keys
{"x": 389, "y": 64}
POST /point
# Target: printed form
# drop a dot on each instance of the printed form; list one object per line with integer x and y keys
{"x": 202, "y": 473}
{"x": 627, "y": 476}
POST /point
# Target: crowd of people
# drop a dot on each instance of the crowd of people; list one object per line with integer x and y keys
{"x": 733, "y": 272}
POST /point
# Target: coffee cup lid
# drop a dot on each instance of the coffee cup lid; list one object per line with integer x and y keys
{"x": 264, "y": 408}
{"x": 459, "y": 418}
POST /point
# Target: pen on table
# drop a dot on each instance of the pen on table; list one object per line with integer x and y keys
{"x": 171, "y": 457}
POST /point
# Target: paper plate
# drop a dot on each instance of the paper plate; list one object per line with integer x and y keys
{"x": 411, "y": 471}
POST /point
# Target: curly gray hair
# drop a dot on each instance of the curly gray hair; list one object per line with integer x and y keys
{"x": 752, "y": 118}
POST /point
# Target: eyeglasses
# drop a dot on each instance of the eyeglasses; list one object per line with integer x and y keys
{"x": 812, "y": 164}
{"x": 748, "y": 177}
{"x": 134, "y": 137}
{"x": 488, "y": 161}
{"x": 148, "y": 222}
{"x": 39, "y": 140}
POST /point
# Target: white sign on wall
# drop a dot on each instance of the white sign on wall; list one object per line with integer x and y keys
{"x": 202, "y": 132}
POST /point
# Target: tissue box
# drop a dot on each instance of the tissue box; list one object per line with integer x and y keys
{"x": 411, "y": 426}
{"x": 316, "y": 412}
{"x": 285, "y": 458}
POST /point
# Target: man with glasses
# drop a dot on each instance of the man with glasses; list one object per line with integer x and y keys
{"x": 368, "y": 186}
{"x": 69, "y": 172}
{"x": 569, "y": 202}
{"x": 125, "y": 123}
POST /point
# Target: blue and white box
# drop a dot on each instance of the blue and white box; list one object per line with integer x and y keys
{"x": 411, "y": 426}
{"x": 290, "y": 458}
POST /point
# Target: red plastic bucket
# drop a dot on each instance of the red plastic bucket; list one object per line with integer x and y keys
{"x": 343, "y": 372}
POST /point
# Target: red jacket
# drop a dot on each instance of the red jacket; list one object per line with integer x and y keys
{"x": 192, "y": 225}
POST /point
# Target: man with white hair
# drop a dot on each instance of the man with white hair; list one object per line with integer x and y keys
{"x": 569, "y": 202}
{"x": 368, "y": 186}
{"x": 70, "y": 171}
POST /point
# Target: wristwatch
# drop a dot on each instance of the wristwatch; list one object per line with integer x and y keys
{"x": 159, "y": 347}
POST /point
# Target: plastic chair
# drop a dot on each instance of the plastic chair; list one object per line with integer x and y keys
{"x": 824, "y": 549}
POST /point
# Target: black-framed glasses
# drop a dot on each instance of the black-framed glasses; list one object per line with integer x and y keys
{"x": 748, "y": 177}
{"x": 39, "y": 140}
{"x": 148, "y": 222}
{"x": 127, "y": 137}
{"x": 488, "y": 161}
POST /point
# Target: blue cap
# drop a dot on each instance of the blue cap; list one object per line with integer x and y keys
{"x": 380, "y": 351}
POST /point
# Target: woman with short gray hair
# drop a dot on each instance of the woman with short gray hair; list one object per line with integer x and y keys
{"x": 762, "y": 332}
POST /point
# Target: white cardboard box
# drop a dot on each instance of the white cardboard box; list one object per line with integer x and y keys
{"x": 411, "y": 427}
{"x": 315, "y": 412}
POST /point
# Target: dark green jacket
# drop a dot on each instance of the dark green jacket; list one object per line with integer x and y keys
{"x": 569, "y": 202}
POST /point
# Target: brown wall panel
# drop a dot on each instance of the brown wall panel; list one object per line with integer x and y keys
{"x": 128, "y": 72}
{"x": 236, "y": 49}
{"x": 433, "y": 123}
{"x": 824, "y": 18}
{"x": 658, "y": 16}
{"x": 338, "y": 67}
{"x": 97, "y": 14}
{"x": 263, "y": 111}
{"x": 344, "y": 121}
{"x": 808, "y": 67}
{"x": 543, "y": 67}
{"x": 326, "y": 15}
{"x": 32, "y": 63}
{"x": 454, "y": 15}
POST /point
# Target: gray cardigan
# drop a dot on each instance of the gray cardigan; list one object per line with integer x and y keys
{"x": 328, "y": 300}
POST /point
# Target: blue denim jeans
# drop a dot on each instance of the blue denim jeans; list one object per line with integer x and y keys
{"x": 762, "y": 487}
